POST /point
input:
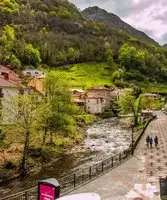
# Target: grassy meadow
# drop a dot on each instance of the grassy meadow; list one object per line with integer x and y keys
{"x": 86, "y": 75}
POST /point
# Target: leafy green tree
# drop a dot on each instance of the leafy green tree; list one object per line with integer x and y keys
{"x": 64, "y": 13}
{"x": 128, "y": 103}
{"x": 60, "y": 110}
{"x": 110, "y": 59}
{"x": 71, "y": 54}
{"x": 7, "y": 9}
{"x": 130, "y": 58}
{"x": 31, "y": 55}
{"x": 109, "y": 56}
{"x": 116, "y": 76}
{"x": 20, "y": 115}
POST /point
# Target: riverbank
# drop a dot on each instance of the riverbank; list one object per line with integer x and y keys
{"x": 104, "y": 138}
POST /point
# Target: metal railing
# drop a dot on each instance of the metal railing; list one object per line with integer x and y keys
{"x": 74, "y": 180}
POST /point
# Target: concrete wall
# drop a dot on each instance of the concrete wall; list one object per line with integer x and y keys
{"x": 96, "y": 106}
{"x": 5, "y": 103}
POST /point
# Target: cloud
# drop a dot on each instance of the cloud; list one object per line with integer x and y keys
{"x": 146, "y": 15}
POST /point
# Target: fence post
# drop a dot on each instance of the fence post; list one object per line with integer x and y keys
{"x": 126, "y": 153}
{"x": 112, "y": 162}
{"x": 82, "y": 177}
{"x": 26, "y": 195}
{"x": 102, "y": 167}
{"x": 90, "y": 173}
{"x": 120, "y": 158}
{"x": 74, "y": 180}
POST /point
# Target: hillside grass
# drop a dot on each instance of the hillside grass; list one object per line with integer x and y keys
{"x": 86, "y": 75}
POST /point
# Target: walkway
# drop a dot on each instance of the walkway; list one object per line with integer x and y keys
{"x": 138, "y": 178}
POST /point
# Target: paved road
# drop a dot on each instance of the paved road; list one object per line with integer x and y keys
{"x": 137, "y": 178}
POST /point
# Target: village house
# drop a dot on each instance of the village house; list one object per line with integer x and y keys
{"x": 33, "y": 73}
{"x": 97, "y": 99}
{"x": 96, "y": 104}
{"x": 10, "y": 85}
{"x": 37, "y": 84}
{"x": 115, "y": 93}
{"x": 78, "y": 97}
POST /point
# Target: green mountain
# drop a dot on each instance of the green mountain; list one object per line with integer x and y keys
{"x": 51, "y": 33}
{"x": 114, "y": 22}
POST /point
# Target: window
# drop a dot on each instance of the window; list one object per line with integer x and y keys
{"x": 88, "y": 108}
{"x": 21, "y": 91}
{"x": 1, "y": 94}
{"x": 97, "y": 101}
{"x": 36, "y": 72}
{"x": 74, "y": 92}
{"x": 28, "y": 73}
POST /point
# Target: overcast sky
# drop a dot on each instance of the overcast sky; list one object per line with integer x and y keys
{"x": 149, "y": 16}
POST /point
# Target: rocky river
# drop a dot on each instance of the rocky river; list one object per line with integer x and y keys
{"x": 103, "y": 139}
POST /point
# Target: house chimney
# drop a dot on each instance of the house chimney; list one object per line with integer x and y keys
{"x": 6, "y": 76}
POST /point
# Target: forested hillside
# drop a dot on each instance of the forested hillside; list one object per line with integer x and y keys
{"x": 52, "y": 33}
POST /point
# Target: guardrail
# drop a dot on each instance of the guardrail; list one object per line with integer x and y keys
{"x": 74, "y": 180}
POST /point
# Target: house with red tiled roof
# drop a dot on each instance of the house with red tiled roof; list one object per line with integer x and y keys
{"x": 10, "y": 85}
{"x": 10, "y": 82}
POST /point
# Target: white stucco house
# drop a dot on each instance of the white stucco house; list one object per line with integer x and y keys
{"x": 96, "y": 104}
{"x": 10, "y": 86}
{"x": 97, "y": 99}
{"x": 33, "y": 73}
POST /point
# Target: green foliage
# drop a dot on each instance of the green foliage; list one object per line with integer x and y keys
{"x": 31, "y": 55}
{"x": 128, "y": 103}
{"x": 54, "y": 33}
{"x": 116, "y": 76}
{"x": 151, "y": 103}
{"x": 7, "y": 8}
{"x": 64, "y": 13}
{"x": 85, "y": 75}
{"x": 60, "y": 110}
{"x": 130, "y": 58}
{"x": 84, "y": 118}
{"x": 15, "y": 62}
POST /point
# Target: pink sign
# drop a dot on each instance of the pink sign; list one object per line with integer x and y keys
{"x": 47, "y": 192}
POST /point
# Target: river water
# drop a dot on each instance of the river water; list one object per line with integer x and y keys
{"x": 103, "y": 139}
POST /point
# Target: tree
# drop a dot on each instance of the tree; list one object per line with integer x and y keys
{"x": 130, "y": 58}
{"x": 56, "y": 116}
{"x": 116, "y": 76}
{"x": 128, "y": 103}
{"x": 31, "y": 55}
{"x": 109, "y": 59}
{"x": 20, "y": 114}
{"x": 71, "y": 54}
